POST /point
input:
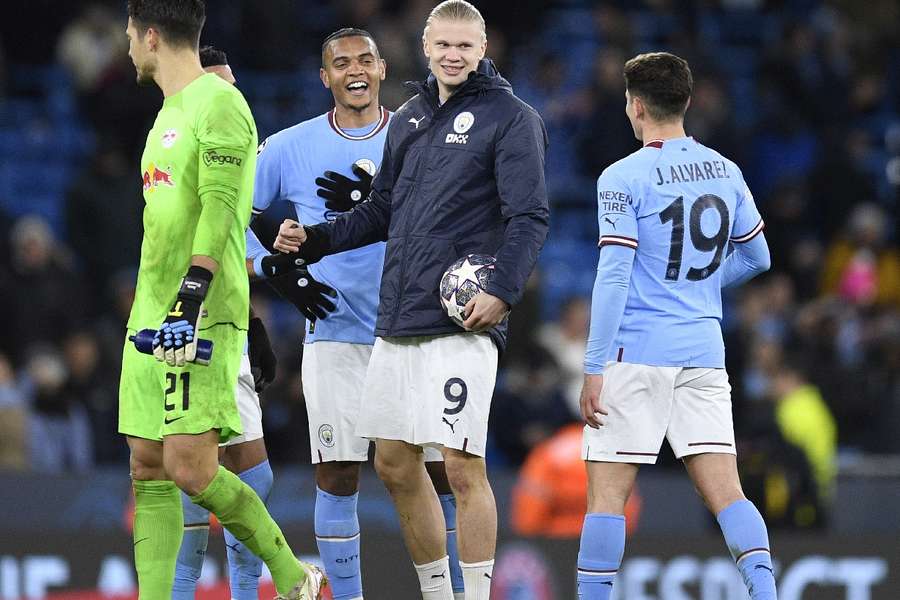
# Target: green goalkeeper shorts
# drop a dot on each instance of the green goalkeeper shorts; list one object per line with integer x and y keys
{"x": 156, "y": 400}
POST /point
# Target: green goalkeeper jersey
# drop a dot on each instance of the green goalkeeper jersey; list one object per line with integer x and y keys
{"x": 197, "y": 168}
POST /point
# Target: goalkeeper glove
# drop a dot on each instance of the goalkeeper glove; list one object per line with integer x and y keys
{"x": 263, "y": 363}
{"x": 309, "y": 296}
{"x": 175, "y": 342}
{"x": 341, "y": 193}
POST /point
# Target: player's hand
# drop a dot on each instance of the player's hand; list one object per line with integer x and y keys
{"x": 310, "y": 297}
{"x": 591, "y": 406}
{"x": 484, "y": 311}
{"x": 175, "y": 342}
{"x": 280, "y": 263}
{"x": 341, "y": 193}
{"x": 263, "y": 363}
{"x": 291, "y": 236}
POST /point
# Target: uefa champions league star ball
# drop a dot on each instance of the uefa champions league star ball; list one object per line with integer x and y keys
{"x": 462, "y": 281}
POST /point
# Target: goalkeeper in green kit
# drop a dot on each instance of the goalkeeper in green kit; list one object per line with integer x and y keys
{"x": 197, "y": 171}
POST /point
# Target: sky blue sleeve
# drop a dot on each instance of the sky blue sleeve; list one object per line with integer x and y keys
{"x": 255, "y": 251}
{"x": 747, "y": 220}
{"x": 746, "y": 260}
{"x": 616, "y": 212}
{"x": 607, "y": 304}
{"x": 267, "y": 182}
{"x": 617, "y": 216}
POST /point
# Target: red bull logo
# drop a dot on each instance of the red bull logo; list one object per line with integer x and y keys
{"x": 154, "y": 177}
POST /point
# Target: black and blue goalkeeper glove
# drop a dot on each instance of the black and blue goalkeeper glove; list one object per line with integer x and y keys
{"x": 175, "y": 342}
{"x": 341, "y": 193}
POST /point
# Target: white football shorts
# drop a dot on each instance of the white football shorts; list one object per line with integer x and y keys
{"x": 690, "y": 407}
{"x": 432, "y": 391}
{"x": 248, "y": 406}
{"x": 333, "y": 376}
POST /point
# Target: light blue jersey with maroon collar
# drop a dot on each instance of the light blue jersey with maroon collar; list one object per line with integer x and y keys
{"x": 286, "y": 169}
{"x": 670, "y": 211}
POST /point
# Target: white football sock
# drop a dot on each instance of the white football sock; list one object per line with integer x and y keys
{"x": 434, "y": 579}
{"x": 477, "y": 579}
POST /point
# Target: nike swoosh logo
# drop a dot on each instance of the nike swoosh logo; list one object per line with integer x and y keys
{"x": 169, "y": 421}
{"x": 764, "y": 567}
{"x": 141, "y": 540}
{"x": 442, "y": 575}
{"x": 486, "y": 575}
{"x": 609, "y": 583}
{"x": 234, "y": 547}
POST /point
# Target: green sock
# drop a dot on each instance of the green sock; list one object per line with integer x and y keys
{"x": 240, "y": 510}
{"x": 157, "y": 537}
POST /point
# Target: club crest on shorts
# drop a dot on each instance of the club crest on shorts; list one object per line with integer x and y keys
{"x": 326, "y": 435}
{"x": 463, "y": 122}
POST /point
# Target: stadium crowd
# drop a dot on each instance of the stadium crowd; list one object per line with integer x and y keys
{"x": 804, "y": 95}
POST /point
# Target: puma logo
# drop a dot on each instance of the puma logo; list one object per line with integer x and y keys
{"x": 417, "y": 121}
{"x": 611, "y": 222}
{"x": 451, "y": 425}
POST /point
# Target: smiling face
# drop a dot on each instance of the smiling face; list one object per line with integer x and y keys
{"x": 453, "y": 48}
{"x": 353, "y": 71}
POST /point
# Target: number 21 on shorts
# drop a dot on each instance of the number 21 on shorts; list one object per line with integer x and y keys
{"x": 174, "y": 381}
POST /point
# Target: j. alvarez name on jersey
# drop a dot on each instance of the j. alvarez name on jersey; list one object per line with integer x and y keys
{"x": 693, "y": 171}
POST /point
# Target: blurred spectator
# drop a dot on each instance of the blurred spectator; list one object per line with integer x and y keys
{"x": 710, "y": 121}
{"x": 605, "y": 136}
{"x": 104, "y": 208}
{"x": 799, "y": 85}
{"x": 41, "y": 291}
{"x": 528, "y": 406}
{"x": 94, "y": 388}
{"x": 94, "y": 51}
{"x": 110, "y": 326}
{"x": 838, "y": 183}
{"x": 805, "y": 421}
{"x": 13, "y": 420}
{"x": 550, "y": 497}
{"x": 91, "y": 45}
{"x": 566, "y": 340}
{"x": 861, "y": 266}
{"x": 59, "y": 431}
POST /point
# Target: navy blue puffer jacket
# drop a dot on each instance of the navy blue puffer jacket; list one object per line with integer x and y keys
{"x": 459, "y": 178}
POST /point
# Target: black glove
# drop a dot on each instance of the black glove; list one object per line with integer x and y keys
{"x": 341, "y": 193}
{"x": 309, "y": 296}
{"x": 279, "y": 264}
{"x": 263, "y": 363}
{"x": 175, "y": 342}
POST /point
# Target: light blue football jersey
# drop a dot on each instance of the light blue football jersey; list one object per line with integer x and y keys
{"x": 678, "y": 204}
{"x": 287, "y": 167}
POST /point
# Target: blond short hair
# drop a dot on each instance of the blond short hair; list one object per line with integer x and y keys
{"x": 456, "y": 10}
